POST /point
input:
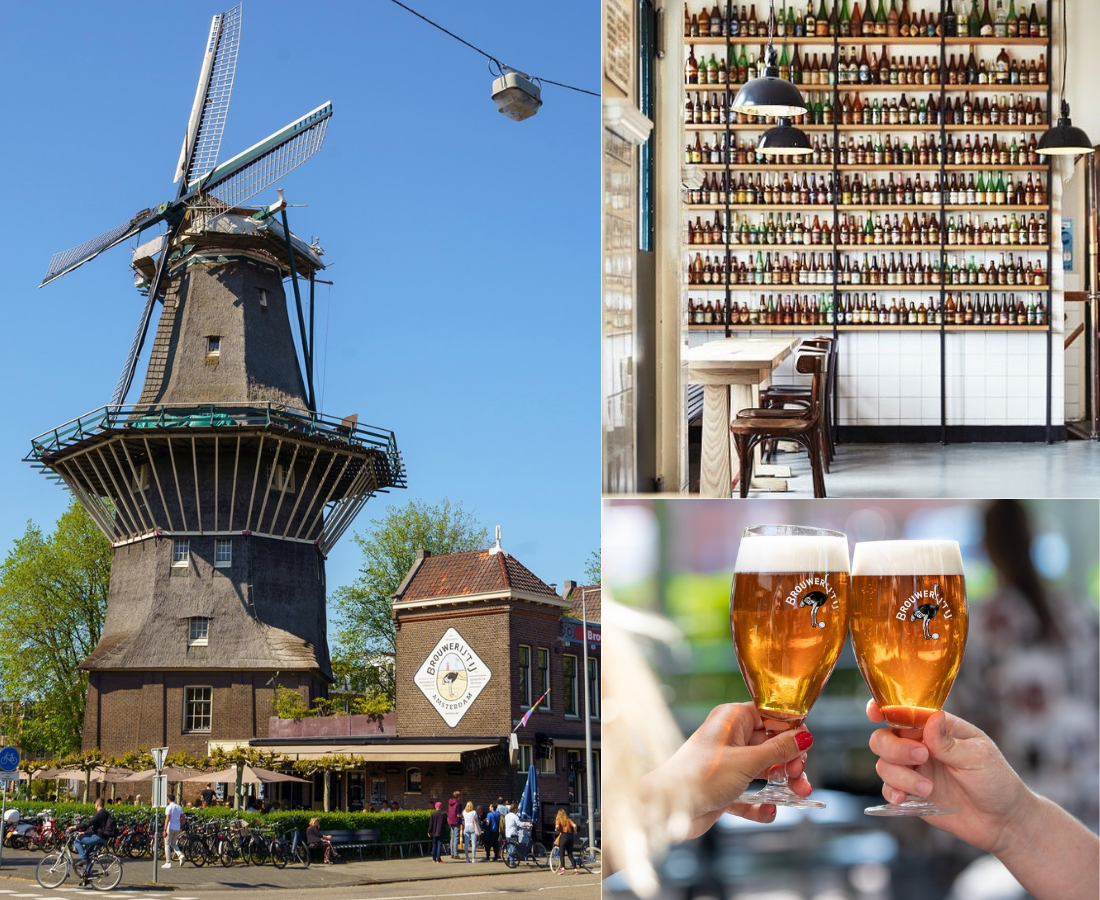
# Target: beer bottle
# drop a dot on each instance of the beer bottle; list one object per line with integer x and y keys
{"x": 691, "y": 67}
{"x": 704, "y": 22}
{"x": 893, "y": 23}
{"x": 822, "y": 23}
{"x": 845, "y": 24}
{"x": 950, "y": 21}
{"x": 880, "y": 20}
{"x": 974, "y": 21}
{"x": 987, "y": 22}
{"x": 717, "y": 23}
{"x": 856, "y": 28}
{"x": 1000, "y": 20}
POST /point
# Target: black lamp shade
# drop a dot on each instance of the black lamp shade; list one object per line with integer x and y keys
{"x": 1064, "y": 139}
{"x": 769, "y": 95}
{"x": 784, "y": 140}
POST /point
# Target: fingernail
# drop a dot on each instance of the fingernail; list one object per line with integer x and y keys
{"x": 924, "y": 788}
{"x": 943, "y": 726}
{"x": 767, "y": 813}
{"x": 919, "y": 754}
{"x": 804, "y": 740}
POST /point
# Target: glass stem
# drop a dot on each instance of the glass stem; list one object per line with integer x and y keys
{"x": 777, "y": 775}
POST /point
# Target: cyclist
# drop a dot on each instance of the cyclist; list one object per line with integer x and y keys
{"x": 96, "y": 830}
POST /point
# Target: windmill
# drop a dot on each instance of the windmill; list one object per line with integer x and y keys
{"x": 223, "y": 488}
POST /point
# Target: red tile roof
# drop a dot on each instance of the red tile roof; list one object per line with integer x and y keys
{"x": 591, "y": 602}
{"x": 474, "y": 572}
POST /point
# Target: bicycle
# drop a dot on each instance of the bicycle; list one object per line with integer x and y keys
{"x": 587, "y": 858}
{"x": 99, "y": 868}
{"x": 516, "y": 851}
{"x": 290, "y": 849}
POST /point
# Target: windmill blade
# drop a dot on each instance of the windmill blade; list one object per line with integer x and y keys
{"x": 67, "y": 260}
{"x": 122, "y": 386}
{"x": 261, "y": 165}
{"x": 203, "y": 138}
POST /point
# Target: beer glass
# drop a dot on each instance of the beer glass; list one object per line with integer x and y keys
{"x": 789, "y": 617}
{"x": 908, "y": 631}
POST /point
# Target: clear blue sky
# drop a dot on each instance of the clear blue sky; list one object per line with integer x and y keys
{"x": 463, "y": 246}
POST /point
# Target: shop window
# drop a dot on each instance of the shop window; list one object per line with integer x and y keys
{"x": 594, "y": 688}
{"x": 199, "y": 635}
{"x": 377, "y": 790}
{"x": 544, "y": 677}
{"x": 412, "y": 781}
{"x": 524, "y": 675}
{"x": 197, "y": 707}
{"x": 569, "y": 673}
{"x": 223, "y": 553}
{"x": 526, "y": 754}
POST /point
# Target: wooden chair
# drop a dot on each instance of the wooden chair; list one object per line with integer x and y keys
{"x": 798, "y": 395}
{"x": 803, "y": 426}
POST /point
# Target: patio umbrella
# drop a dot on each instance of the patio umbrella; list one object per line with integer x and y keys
{"x": 174, "y": 773}
{"x": 249, "y": 775}
{"x": 529, "y": 802}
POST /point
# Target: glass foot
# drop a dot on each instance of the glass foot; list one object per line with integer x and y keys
{"x": 913, "y": 806}
{"x": 780, "y": 796}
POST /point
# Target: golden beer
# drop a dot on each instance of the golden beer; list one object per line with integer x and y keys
{"x": 788, "y": 630}
{"x": 789, "y": 617}
{"x": 909, "y": 623}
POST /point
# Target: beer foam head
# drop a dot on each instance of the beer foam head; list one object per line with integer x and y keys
{"x": 907, "y": 558}
{"x": 775, "y": 554}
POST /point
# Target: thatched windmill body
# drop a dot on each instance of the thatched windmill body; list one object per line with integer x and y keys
{"x": 222, "y": 488}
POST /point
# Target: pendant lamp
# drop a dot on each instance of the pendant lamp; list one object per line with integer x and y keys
{"x": 1064, "y": 139}
{"x": 769, "y": 95}
{"x": 784, "y": 140}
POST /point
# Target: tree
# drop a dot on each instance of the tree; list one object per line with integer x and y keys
{"x": 53, "y": 597}
{"x": 592, "y": 568}
{"x": 366, "y": 639}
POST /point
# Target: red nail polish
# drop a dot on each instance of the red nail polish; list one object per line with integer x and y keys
{"x": 804, "y": 740}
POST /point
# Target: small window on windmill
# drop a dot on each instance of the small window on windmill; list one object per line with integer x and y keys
{"x": 140, "y": 480}
{"x": 199, "y": 629}
{"x": 223, "y": 553}
{"x": 263, "y": 297}
{"x": 213, "y": 346}
{"x": 181, "y": 557}
{"x": 283, "y": 479}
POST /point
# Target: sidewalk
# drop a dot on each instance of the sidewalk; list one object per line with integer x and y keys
{"x": 19, "y": 865}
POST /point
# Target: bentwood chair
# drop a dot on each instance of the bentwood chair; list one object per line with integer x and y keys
{"x": 780, "y": 396}
{"x": 751, "y": 427}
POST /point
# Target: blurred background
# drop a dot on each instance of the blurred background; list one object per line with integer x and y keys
{"x": 1029, "y": 678}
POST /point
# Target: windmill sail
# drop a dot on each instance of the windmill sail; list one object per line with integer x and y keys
{"x": 261, "y": 165}
{"x": 122, "y": 387}
{"x": 203, "y": 138}
{"x": 67, "y": 260}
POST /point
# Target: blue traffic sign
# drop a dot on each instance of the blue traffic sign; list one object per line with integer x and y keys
{"x": 9, "y": 759}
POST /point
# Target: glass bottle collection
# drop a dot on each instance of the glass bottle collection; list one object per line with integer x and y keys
{"x": 998, "y": 309}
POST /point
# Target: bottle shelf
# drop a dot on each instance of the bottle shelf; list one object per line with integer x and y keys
{"x": 897, "y": 88}
{"x": 870, "y": 41}
{"x": 872, "y": 129}
{"x": 866, "y": 248}
{"x": 874, "y": 207}
{"x": 856, "y": 167}
{"x": 955, "y": 329}
{"x": 872, "y": 288}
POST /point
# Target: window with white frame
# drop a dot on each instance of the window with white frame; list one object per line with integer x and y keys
{"x": 213, "y": 346}
{"x": 526, "y": 754}
{"x": 263, "y": 296}
{"x": 378, "y": 790}
{"x": 569, "y": 677}
{"x": 197, "y": 708}
{"x": 181, "y": 553}
{"x": 544, "y": 677}
{"x": 223, "y": 552}
{"x": 198, "y": 631}
{"x": 594, "y": 688}
{"x": 282, "y": 479}
{"x": 412, "y": 781}
{"x": 524, "y": 675}
{"x": 548, "y": 765}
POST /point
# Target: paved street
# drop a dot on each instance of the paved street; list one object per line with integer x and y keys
{"x": 394, "y": 879}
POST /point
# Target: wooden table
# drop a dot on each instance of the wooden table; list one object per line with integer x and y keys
{"x": 732, "y": 372}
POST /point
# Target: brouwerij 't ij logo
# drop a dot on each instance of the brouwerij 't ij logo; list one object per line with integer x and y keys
{"x": 924, "y": 605}
{"x": 452, "y": 677}
{"x": 813, "y": 592}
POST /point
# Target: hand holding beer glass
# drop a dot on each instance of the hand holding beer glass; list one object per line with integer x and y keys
{"x": 789, "y": 617}
{"x": 909, "y": 622}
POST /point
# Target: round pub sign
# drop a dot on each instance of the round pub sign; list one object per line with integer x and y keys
{"x": 452, "y": 677}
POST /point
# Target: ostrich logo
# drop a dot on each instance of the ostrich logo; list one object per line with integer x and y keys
{"x": 815, "y": 600}
{"x": 451, "y": 679}
{"x": 926, "y": 612}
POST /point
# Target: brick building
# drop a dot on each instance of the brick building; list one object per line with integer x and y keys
{"x": 479, "y": 640}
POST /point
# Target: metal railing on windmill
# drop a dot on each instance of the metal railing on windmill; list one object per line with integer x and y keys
{"x": 186, "y": 404}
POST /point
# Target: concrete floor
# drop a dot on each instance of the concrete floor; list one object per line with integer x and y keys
{"x": 1070, "y": 469}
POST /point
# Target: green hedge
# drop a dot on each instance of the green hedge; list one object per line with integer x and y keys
{"x": 405, "y": 825}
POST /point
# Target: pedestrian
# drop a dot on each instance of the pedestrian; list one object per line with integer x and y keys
{"x": 315, "y": 839}
{"x": 394, "y": 807}
{"x": 492, "y": 834}
{"x": 472, "y": 828}
{"x": 511, "y": 823}
{"x": 565, "y": 828}
{"x": 208, "y": 794}
{"x": 454, "y": 820}
{"x": 173, "y": 813}
{"x": 437, "y": 821}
